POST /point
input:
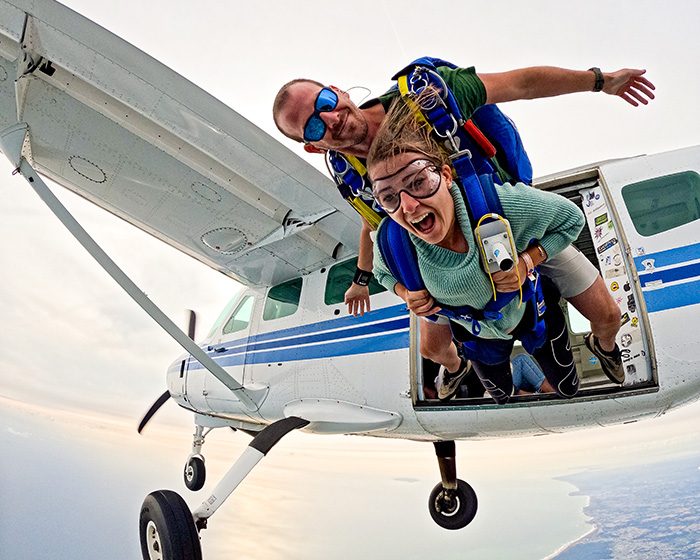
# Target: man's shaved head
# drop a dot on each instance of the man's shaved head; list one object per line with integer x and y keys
{"x": 281, "y": 99}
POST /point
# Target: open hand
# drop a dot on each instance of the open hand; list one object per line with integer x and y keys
{"x": 357, "y": 299}
{"x": 630, "y": 85}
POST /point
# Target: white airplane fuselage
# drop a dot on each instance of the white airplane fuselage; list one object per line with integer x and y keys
{"x": 364, "y": 375}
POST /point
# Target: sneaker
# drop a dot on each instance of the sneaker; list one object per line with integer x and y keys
{"x": 611, "y": 362}
{"x": 447, "y": 383}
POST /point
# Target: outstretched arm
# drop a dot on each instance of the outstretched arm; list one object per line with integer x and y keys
{"x": 548, "y": 81}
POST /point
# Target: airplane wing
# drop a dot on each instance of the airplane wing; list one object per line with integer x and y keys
{"x": 125, "y": 132}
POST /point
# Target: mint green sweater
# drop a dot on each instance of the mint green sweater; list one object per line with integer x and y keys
{"x": 458, "y": 279}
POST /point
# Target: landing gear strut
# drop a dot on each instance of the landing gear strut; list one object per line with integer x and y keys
{"x": 452, "y": 503}
{"x": 169, "y": 531}
{"x": 195, "y": 472}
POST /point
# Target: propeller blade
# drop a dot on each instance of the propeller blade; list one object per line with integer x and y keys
{"x": 154, "y": 408}
{"x": 191, "y": 328}
{"x": 191, "y": 323}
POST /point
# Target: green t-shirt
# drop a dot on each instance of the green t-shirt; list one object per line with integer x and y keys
{"x": 466, "y": 86}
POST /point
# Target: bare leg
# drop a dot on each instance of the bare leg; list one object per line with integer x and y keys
{"x": 436, "y": 345}
{"x": 597, "y": 305}
{"x": 546, "y": 387}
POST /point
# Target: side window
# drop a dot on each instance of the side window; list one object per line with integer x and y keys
{"x": 282, "y": 300}
{"x": 241, "y": 316}
{"x": 339, "y": 278}
{"x": 225, "y": 314}
{"x": 663, "y": 203}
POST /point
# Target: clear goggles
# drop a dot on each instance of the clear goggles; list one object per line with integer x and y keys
{"x": 419, "y": 179}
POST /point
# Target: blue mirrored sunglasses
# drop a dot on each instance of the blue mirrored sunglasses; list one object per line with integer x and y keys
{"x": 315, "y": 128}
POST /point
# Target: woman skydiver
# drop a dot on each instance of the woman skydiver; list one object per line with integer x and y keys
{"x": 413, "y": 181}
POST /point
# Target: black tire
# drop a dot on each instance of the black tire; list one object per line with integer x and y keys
{"x": 453, "y": 509}
{"x": 195, "y": 473}
{"x": 167, "y": 529}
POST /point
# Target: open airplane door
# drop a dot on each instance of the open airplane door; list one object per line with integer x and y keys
{"x": 657, "y": 199}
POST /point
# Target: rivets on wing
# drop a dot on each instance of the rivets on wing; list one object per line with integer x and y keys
{"x": 207, "y": 192}
{"x": 226, "y": 240}
{"x": 87, "y": 169}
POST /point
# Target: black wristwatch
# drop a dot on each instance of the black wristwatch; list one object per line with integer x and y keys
{"x": 362, "y": 277}
{"x": 599, "y": 79}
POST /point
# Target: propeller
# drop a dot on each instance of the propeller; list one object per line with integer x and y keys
{"x": 160, "y": 401}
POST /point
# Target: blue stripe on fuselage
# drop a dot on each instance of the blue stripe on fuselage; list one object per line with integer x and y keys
{"x": 670, "y": 297}
{"x": 374, "y": 328}
{"x": 677, "y": 255}
{"x": 660, "y": 296}
{"x": 670, "y": 274}
{"x": 276, "y": 346}
{"x": 349, "y": 321}
{"x": 365, "y": 345}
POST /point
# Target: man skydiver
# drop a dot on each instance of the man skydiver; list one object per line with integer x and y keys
{"x": 324, "y": 118}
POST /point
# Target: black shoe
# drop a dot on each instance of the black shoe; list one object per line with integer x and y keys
{"x": 611, "y": 362}
{"x": 447, "y": 383}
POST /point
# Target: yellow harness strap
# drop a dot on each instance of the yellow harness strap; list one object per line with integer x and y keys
{"x": 362, "y": 208}
{"x": 357, "y": 164}
{"x": 403, "y": 90}
{"x": 370, "y": 216}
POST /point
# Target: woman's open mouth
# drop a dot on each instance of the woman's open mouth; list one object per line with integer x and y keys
{"x": 424, "y": 223}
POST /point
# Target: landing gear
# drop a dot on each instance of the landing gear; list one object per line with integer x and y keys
{"x": 453, "y": 509}
{"x": 452, "y": 503}
{"x": 195, "y": 473}
{"x": 167, "y": 529}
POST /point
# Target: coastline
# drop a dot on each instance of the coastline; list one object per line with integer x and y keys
{"x": 592, "y": 530}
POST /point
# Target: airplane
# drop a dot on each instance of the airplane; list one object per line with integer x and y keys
{"x": 80, "y": 106}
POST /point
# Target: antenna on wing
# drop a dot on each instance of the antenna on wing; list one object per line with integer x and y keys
{"x": 160, "y": 401}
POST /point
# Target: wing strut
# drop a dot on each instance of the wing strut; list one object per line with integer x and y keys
{"x": 13, "y": 141}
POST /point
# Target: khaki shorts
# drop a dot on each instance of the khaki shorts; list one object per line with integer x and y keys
{"x": 570, "y": 271}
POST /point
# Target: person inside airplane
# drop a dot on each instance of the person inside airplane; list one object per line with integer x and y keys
{"x": 527, "y": 376}
{"x": 413, "y": 182}
{"x": 324, "y": 118}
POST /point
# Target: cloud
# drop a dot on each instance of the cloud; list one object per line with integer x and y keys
{"x": 14, "y": 432}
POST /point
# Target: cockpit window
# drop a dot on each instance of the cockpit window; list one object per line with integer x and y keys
{"x": 339, "y": 279}
{"x": 663, "y": 203}
{"x": 225, "y": 314}
{"x": 282, "y": 300}
{"x": 241, "y": 316}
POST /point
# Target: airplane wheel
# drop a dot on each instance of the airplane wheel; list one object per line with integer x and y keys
{"x": 195, "y": 473}
{"x": 167, "y": 529}
{"x": 453, "y": 509}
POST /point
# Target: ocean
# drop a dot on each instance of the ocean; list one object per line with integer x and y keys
{"x": 73, "y": 483}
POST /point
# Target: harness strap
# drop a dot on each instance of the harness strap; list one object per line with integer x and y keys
{"x": 350, "y": 176}
{"x": 444, "y": 119}
{"x": 362, "y": 208}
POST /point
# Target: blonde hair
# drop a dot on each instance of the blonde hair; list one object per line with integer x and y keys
{"x": 403, "y": 131}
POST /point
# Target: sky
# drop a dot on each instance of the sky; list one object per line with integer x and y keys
{"x": 98, "y": 348}
{"x": 72, "y": 341}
